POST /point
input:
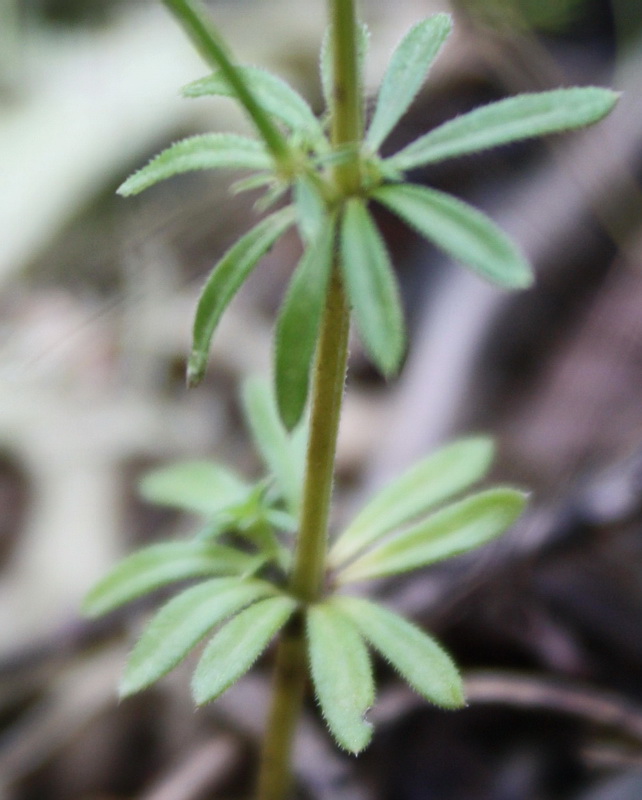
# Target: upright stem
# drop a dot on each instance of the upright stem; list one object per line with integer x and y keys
{"x": 306, "y": 579}
{"x": 195, "y": 21}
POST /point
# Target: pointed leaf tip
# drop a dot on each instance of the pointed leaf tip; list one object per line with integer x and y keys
{"x": 436, "y": 478}
{"x": 512, "y": 119}
{"x": 181, "y": 624}
{"x": 342, "y": 675}
{"x": 372, "y": 288}
{"x": 237, "y": 645}
{"x": 418, "y": 658}
{"x": 206, "y": 151}
{"x": 461, "y": 231}
{"x": 406, "y": 73}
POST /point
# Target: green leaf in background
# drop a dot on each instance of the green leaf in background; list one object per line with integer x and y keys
{"x": 436, "y": 478}
{"x": 453, "y": 530}
{"x": 275, "y": 445}
{"x": 276, "y": 96}
{"x": 207, "y": 151}
{"x": 257, "y": 181}
{"x": 406, "y": 73}
{"x": 372, "y": 287}
{"x": 198, "y": 486}
{"x": 181, "y": 624}
{"x": 342, "y": 675}
{"x": 460, "y": 230}
{"x": 522, "y": 117}
{"x": 310, "y": 207}
{"x": 161, "y": 564}
{"x": 226, "y": 279}
{"x": 417, "y": 657}
{"x": 298, "y": 323}
{"x": 237, "y": 645}
{"x": 327, "y": 67}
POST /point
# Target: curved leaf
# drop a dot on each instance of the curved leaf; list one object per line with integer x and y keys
{"x": 207, "y": 151}
{"x": 515, "y": 118}
{"x": 225, "y": 280}
{"x": 276, "y": 96}
{"x": 453, "y": 530}
{"x": 199, "y": 486}
{"x": 460, "y": 230}
{"x": 161, "y": 564}
{"x": 237, "y": 645}
{"x": 417, "y": 657}
{"x": 372, "y": 287}
{"x": 298, "y": 323}
{"x": 279, "y": 454}
{"x": 181, "y": 624}
{"x": 342, "y": 675}
{"x": 436, "y": 478}
{"x": 406, "y": 73}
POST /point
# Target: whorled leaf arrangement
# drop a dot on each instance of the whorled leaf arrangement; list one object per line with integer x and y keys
{"x": 241, "y": 554}
{"x": 241, "y": 557}
{"x": 461, "y": 231}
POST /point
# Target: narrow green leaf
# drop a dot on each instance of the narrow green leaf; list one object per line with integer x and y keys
{"x": 257, "y": 181}
{"x": 453, "y": 530}
{"x": 272, "y": 440}
{"x": 327, "y": 67}
{"x": 417, "y": 657}
{"x": 208, "y": 151}
{"x": 311, "y": 208}
{"x": 436, "y": 478}
{"x": 515, "y": 118}
{"x": 226, "y": 279}
{"x": 237, "y": 645}
{"x": 406, "y": 73}
{"x": 460, "y": 230}
{"x": 158, "y": 565}
{"x": 372, "y": 288}
{"x": 181, "y": 624}
{"x": 199, "y": 486}
{"x": 342, "y": 675}
{"x": 276, "y": 96}
{"x": 298, "y": 323}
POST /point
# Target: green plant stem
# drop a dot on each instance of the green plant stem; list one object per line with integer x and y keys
{"x": 347, "y": 120}
{"x": 306, "y": 579}
{"x": 194, "y": 19}
{"x": 290, "y": 676}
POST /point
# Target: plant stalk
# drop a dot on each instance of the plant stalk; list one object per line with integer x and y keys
{"x": 306, "y": 579}
{"x": 194, "y": 19}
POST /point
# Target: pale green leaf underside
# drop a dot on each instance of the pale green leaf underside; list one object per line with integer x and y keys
{"x": 225, "y": 280}
{"x": 275, "y": 445}
{"x": 459, "y": 527}
{"x": 417, "y": 657}
{"x": 199, "y": 486}
{"x": 460, "y": 230}
{"x": 522, "y": 117}
{"x": 310, "y": 207}
{"x": 207, "y": 151}
{"x": 298, "y": 324}
{"x": 406, "y": 73}
{"x": 159, "y": 565}
{"x": 276, "y": 97}
{"x": 237, "y": 645}
{"x": 181, "y": 624}
{"x": 372, "y": 287}
{"x": 436, "y": 478}
{"x": 342, "y": 675}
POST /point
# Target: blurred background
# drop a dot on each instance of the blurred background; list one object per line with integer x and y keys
{"x": 97, "y": 294}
